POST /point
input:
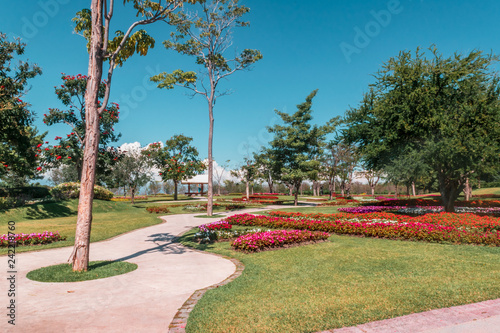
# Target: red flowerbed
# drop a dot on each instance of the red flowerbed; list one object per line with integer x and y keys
{"x": 158, "y": 209}
{"x": 278, "y": 238}
{"x": 435, "y": 202}
{"x": 438, "y": 228}
{"x": 31, "y": 239}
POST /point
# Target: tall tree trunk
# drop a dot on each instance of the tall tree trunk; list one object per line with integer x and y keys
{"x": 80, "y": 255}
{"x": 210, "y": 194}
{"x": 330, "y": 187}
{"x": 342, "y": 190}
{"x": 132, "y": 194}
{"x": 175, "y": 190}
{"x": 467, "y": 190}
{"x": 413, "y": 188}
{"x": 291, "y": 189}
{"x": 247, "y": 190}
{"x": 373, "y": 191}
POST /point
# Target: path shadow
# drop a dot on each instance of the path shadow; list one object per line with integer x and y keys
{"x": 165, "y": 243}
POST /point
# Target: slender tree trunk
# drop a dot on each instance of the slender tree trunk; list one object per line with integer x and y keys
{"x": 296, "y": 198}
{"x": 396, "y": 191}
{"x": 373, "y": 191}
{"x": 175, "y": 190}
{"x": 270, "y": 183}
{"x": 467, "y": 190}
{"x": 247, "y": 190}
{"x": 80, "y": 254}
{"x": 210, "y": 159}
{"x": 132, "y": 195}
{"x": 413, "y": 188}
{"x": 291, "y": 189}
{"x": 330, "y": 187}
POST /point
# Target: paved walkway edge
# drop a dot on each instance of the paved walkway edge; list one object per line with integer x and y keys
{"x": 434, "y": 320}
{"x": 178, "y": 324}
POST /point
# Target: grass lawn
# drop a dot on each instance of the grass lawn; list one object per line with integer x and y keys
{"x": 344, "y": 282}
{"x": 96, "y": 270}
{"x": 492, "y": 190}
{"x": 110, "y": 219}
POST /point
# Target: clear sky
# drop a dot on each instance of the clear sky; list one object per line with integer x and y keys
{"x": 333, "y": 46}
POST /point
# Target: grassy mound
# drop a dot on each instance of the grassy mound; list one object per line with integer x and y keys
{"x": 96, "y": 270}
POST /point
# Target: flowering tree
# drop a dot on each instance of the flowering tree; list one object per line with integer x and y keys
{"x": 94, "y": 25}
{"x": 69, "y": 150}
{"x": 18, "y": 138}
{"x": 207, "y": 37}
{"x": 177, "y": 160}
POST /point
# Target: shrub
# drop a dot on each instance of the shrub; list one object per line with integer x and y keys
{"x": 9, "y": 202}
{"x": 72, "y": 190}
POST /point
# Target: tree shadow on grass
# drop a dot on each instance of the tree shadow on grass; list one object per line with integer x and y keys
{"x": 164, "y": 243}
{"x": 45, "y": 211}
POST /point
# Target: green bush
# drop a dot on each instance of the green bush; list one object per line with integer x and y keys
{"x": 72, "y": 190}
{"x": 10, "y": 202}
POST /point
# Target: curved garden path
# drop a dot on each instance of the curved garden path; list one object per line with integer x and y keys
{"x": 145, "y": 299}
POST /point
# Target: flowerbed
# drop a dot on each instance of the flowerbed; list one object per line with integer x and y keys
{"x": 368, "y": 209}
{"x": 432, "y": 227}
{"x": 278, "y": 238}
{"x": 31, "y": 239}
{"x": 158, "y": 209}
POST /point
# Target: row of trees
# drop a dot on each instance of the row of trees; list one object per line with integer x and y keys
{"x": 205, "y": 35}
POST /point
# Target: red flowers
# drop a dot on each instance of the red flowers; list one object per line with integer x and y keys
{"x": 39, "y": 169}
{"x": 58, "y": 157}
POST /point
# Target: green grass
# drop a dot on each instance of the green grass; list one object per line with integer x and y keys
{"x": 96, "y": 270}
{"x": 492, "y": 190}
{"x": 345, "y": 282}
{"x": 109, "y": 219}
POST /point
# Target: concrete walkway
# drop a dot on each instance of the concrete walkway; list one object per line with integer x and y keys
{"x": 143, "y": 300}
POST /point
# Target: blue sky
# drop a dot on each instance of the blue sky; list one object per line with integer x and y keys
{"x": 333, "y": 46}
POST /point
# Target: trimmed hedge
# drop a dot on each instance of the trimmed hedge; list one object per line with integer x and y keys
{"x": 72, "y": 191}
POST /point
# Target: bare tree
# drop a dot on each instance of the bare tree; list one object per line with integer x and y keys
{"x": 219, "y": 174}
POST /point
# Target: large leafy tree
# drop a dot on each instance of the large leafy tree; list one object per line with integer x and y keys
{"x": 177, "y": 160}
{"x": 296, "y": 144}
{"x": 19, "y": 139}
{"x": 69, "y": 149}
{"x": 207, "y": 37}
{"x": 94, "y": 25}
{"x": 133, "y": 171}
{"x": 445, "y": 112}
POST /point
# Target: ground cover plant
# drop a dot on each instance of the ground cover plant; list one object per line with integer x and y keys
{"x": 260, "y": 241}
{"x": 443, "y": 227}
{"x": 45, "y": 237}
{"x": 346, "y": 282}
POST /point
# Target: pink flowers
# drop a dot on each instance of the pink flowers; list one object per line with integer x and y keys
{"x": 219, "y": 225}
{"x": 277, "y": 238}
{"x": 31, "y": 239}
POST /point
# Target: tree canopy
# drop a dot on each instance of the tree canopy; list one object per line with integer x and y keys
{"x": 177, "y": 160}
{"x": 297, "y": 144}
{"x": 444, "y": 112}
{"x": 19, "y": 139}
